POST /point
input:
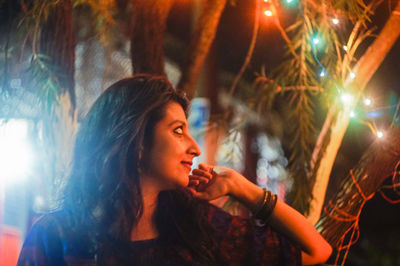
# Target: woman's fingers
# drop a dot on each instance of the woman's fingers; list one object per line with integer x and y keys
{"x": 199, "y": 178}
{"x": 194, "y": 182}
{"x": 213, "y": 170}
{"x": 205, "y": 167}
{"x": 200, "y": 172}
{"x": 196, "y": 193}
{"x": 200, "y": 183}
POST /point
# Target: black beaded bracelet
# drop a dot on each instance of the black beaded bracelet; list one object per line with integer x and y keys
{"x": 261, "y": 203}
{"x": 265, "y": 209}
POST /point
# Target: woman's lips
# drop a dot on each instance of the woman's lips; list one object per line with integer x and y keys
{"x": 187, "y": 164}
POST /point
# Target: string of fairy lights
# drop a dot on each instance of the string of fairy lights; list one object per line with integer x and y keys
{"x": 346, "y": 98}
{"x": 349, "y": 102}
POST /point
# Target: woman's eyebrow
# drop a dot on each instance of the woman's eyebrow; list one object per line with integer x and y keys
{"x": 177, "y": 121}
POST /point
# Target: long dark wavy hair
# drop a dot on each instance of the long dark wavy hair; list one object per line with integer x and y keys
{"x": 103, "y": 192}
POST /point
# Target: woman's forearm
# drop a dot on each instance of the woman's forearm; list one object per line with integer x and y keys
{"x": 219, "y": 181}
{"x": 288, "y": 221}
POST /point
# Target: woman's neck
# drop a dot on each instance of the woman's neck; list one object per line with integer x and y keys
{"x": 146, "y": 227}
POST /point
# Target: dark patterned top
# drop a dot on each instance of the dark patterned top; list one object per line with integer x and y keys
{"x": 240, "y": 242}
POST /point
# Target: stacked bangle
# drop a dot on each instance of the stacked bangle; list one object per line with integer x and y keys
{"x": 266, "y": 206}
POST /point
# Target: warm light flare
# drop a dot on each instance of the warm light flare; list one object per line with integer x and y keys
{"x": 268, "y": 13}
{"x": 367, "y": 101}
{"x": 346, "y": 98}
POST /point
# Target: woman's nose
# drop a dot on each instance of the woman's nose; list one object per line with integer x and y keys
{"x": 194, "y": 148}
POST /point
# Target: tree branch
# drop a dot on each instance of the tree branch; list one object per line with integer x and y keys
{"x": 251, "y": 48}
{"x": 364, "y": 180}
{"x": 149, "y": 22}
{"x": 337, "y": 121}
{"x": 204, "y": 34}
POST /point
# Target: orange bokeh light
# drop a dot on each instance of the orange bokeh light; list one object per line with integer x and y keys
{"x": 268, "y": 13}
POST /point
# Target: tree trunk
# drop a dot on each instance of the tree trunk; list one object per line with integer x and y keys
{"x": 336, "y": 123}
{"x": 377, "y": 164}
{"x": 214, "y": 132}
{"x": 205, "y": 30}
{"x": 251, "y": 154}
{"x": 57, "y": 41}
{"x": 148, "y": 26}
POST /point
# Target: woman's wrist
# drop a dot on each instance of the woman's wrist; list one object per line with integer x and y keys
{"x": 266, "y": 206}
{"x": 246, "y": 192}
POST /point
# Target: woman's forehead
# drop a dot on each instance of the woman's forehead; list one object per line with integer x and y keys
{"x": 174, "y": 111}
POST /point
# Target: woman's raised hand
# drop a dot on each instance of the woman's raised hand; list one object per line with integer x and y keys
{"x": 209, "y": 182}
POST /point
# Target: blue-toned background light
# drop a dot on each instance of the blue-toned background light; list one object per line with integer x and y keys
{"x": 15, "y": 151}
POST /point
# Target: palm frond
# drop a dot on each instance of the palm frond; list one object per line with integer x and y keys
{"x": 302, "y": 68}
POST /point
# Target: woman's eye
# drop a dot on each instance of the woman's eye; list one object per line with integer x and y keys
{"x": 179, "y": 130}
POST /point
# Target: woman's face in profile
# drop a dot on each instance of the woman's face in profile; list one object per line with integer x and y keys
{"x": 171, "y": 155}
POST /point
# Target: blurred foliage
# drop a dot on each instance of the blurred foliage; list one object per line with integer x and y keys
{"x": 292, "y": 89}
{"x": 31, "y": 88}
{"x": 44, "y": 79}
{"x": 103, "y": 16}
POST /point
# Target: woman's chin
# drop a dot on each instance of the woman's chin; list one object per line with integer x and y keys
{"x": 185, "y": 182}
{"x": 180, "y": 183}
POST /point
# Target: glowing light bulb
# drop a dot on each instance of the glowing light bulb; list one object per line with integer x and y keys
{"x": 352, "y": 75}
{"x": 268, "y": 13}
{"x": 352, "y": 114}
{"x": 346, "y": 98}
{"x": 379, "y": 134}
{"x": 345, "y": 47}
{"x": 266, "y": 1}
{"x": 367, "y": 101}
{"x": 315, "y": 40}
{"x": 335, "y": 21}
{"x": 322, "y": 74}
{"x": 289, "y": 1}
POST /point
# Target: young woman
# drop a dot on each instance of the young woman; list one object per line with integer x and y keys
{"x": 131, "y": 199}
